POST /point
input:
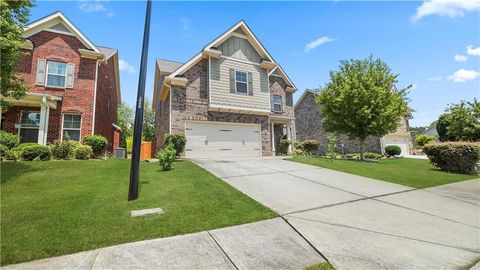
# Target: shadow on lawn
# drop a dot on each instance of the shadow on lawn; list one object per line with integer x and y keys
{"x": 12, "y": 170}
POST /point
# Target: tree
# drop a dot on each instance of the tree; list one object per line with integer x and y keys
{"x": 14, "y": 14}
{"x": 359, "y": 100}
{"x": 460, "y": 122}
{"x": 125, "y": 117}
{"x": 148, "y": 132}
{"x": 422, "y": 140}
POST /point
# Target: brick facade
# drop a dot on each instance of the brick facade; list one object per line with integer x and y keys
{"x": 191, "y": 103}
{"x": 308, "y": 124}
{"x": 79, "y": 99}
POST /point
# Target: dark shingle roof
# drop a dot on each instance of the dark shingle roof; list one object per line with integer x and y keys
{"x": 108, "y": 52}
{"x": 168, "y": 66}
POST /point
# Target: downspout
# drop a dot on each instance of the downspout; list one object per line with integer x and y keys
{"x": 95, "y": 97}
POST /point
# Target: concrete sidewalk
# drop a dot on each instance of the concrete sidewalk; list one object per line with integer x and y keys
{"x": 269, "y": 244}
{"x": 362, "y": 223}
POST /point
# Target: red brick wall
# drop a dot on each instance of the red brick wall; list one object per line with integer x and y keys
{"x": 79, "y": 99}
{"x": 106, "y": 104}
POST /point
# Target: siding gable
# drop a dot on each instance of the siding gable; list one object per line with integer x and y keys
{"x": 239, "y": 48}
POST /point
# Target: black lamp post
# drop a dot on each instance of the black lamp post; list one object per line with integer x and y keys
{"x": 137, "y": 129}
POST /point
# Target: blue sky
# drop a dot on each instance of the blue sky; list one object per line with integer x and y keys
{"x": 433, "y": 45}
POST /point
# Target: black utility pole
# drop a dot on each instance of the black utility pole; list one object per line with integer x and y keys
{"x": 137, "y": 129}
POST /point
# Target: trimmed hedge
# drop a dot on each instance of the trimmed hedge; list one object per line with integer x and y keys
{"x": 97, "y": 142}
{"x": 392, "y": 150}
{"x": 177, "y": 141}
{"x": 8, "y": 139}
{"x": 372, "y": 155}
{"x": 459, "y": 157}
{"x": 35, "y": 152}
{"x": 83, "y": 152}
{"x": 61, "y": 150}
{"x": 309, "y": 147}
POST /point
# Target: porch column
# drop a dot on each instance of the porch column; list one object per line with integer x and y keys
{"x": 43, "y": 125}
{"x": 289, "y": 137}
{"x": 273, "y": 138}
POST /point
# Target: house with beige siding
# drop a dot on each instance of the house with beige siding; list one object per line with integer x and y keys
{"x": 309, "y": 126}
{"x": 230, "y": 100}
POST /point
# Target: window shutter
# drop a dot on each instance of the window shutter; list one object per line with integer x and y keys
{"x": 41, "y": 66}
{"x": 250, "y": 84}
{"x": 232, "y": 80}
{"x": 70, "y": 75}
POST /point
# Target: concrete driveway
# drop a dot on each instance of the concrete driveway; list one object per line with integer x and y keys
{"x": 362, "y": 223}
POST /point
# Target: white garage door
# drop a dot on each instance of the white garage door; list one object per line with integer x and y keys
{"x": 217, "y": 140}
{"x": 397, "y": 141}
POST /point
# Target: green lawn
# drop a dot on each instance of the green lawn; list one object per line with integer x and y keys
{"x": 60, "y": 207}
{"x": 321, "y": 266}
{"x": 410, "y": 172}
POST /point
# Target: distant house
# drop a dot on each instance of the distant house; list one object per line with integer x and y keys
{"x": 232, "y": 99}
{"x": 76, "y": 86}
{"x": 431, "y": 131}
{"x": 309, "y": 126}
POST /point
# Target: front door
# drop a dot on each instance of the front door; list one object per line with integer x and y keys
{"x": 29, "y": 123}
{"x": 278, "y": 132}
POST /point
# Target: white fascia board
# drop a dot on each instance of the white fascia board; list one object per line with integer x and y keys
{"x": 45, "y": 23}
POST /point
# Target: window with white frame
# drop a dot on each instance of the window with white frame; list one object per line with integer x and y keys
{"x": 241, "y": 82}
{"x": 29, "y": 123}
{"x": 277, "y": 103}
{"x": 56, "y": 74}
{"x": 71, "y": 126}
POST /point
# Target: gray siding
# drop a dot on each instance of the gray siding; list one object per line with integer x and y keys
{"x": 220, "y": 85}
{"x": 239, "y": 48}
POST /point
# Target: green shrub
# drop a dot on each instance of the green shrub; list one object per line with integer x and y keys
{"x": 460, "y": 157}
{"x": 284, "y": 144}
{"x": 298, "y": 152}
{"x": 422, "y": 140}
{"x": 351, "y": 156}
{"x": 331, "y": 147}
{"x": 309, "y": 147}
{"x": 3, "y": 150}
{"x": 166, "y": 157}
{"x": 372, "y": 155}
{"x": 8, "y": 139}
{"x": 61, "y": 150}
{"x": 83, "y": 152}
{"x": 392, "y": 150}
{"x": 35, "y": 152}
{"x": 97, "y": 142}
{"x": 177, "y": 141}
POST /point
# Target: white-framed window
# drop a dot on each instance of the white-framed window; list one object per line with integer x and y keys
{"x": 56, "y": 74}
{"x": 72, "y": 124}
{"x": 277, "y": 103}
{"x": 241, "y": 82}
{"x": 29, "y": 123}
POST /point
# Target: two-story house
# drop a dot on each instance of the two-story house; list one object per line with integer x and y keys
{"x": 75, "y": 89}
{"x": 309, "y": 126}
{"x": 232, "y": 99}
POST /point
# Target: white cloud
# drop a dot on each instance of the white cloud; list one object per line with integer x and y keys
{"x": 94, "y": 7}
{"x": 434, "y": 79}
{"x": 448, "y": 8}
{"x": 313, "y": 44}
{"x": 460, "y": 58}
{"x": 125, "y": 66}
{"x": 185, "y": 23}
{"x": 473, "y": 51}
{"x": 463, "y": 75}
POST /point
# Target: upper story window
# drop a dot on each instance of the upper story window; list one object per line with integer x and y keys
{"x": 56, "y": 74}
{"x": 277, "y": 103}
{"x": 241, "y": 82}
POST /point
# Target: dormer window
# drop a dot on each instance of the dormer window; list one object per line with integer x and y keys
{"x": 241, "y": 83}
{"x": 56, "y": 74}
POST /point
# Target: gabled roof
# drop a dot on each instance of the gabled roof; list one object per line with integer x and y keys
{"x": 257, "y": 45}
{"x": 108, "y": 52}
{"x": 167, "y": 66}
{"x": 311, "y": 91}
{"x": 51, "y": 23}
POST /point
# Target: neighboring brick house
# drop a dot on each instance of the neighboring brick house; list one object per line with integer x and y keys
{"x": 308, "y": 123}
{"x": 75, "y": 86}
{"x": 230, "y": 100}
